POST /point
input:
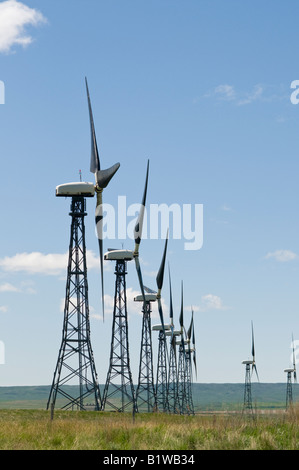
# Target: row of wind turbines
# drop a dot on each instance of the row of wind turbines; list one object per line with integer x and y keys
{"x": 251, "y": 368}
{"x": 171, "y": 391}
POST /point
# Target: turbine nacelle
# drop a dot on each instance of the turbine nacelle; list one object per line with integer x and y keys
{"x": 290, "y": 370}
{"x": 161, "y": 327}
{"x": 173, "y": 333}
{"x": 75, "y": 189}
{"x": 148, "y": 297}
{"x": 114, "y": 255}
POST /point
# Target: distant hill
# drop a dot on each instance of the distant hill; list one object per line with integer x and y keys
{"x": 206, "y": 397}
{"x": 230, "y": 396}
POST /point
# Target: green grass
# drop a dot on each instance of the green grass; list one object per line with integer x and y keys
{"x": 70, "y": 430}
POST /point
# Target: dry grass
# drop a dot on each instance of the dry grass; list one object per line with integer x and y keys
{"x": 33, "y": 429}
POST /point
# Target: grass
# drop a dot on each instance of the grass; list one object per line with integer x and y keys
{"x": 34, "y": 430}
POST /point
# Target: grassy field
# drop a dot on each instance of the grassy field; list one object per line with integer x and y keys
{"x": 34, "y": 430}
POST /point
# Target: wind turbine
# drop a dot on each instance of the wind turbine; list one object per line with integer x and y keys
{"x": 161, "y": 382}
{"x": 146, "y": 392}
{"x": 102, "y": 179}
{"x": 119, "y": 365}
{"x": 182, "y": 373}
{"x": 189, "y": 350}
{"x": 291, "y": 371}
{"x": 173, "y": 401}
{"x": 75, "y": 358}
{"x": 250, "y": 368}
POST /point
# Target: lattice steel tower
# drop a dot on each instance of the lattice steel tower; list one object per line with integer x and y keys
{"x": 188, "y": 351}
{"x": 172, "y": 392}
{"x": 146, "y": 393}
{"x": 162, "y": 362}
{"x": 182, "y": 377}
{"x": 119, "y": 393}
{"x": 291, "y": 371}
{"x": 247, "y": 403}
{"x": 182, "y": 371}
{"x": 250, "y": 367}
{"x": 75, "y": 364}
{"x": 289, "y": 392}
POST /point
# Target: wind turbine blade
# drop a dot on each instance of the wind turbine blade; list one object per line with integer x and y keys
{"x": 160, "y": 275}
{"x": 139, "y": 274}
{"x": 254, "y": 368}
{"x": 139, "y": 223}
{"x": 194, "y": 361}
{"x": 170, "y": 299}
{"x": 194, "y": 347}
{"x": 99, "y": 227}
{"x": 94, "y": 158}
{"x": 173, "y": 345}
{"x": 190, "y": 329}
{"x": 182, "y": 311}
{"x": 253, "y": 349}
{"x": 159, "y": 280}
{"x": 102, "y": 177}
{"x": 137, "y": 237}
{"x": 294, "y": 361}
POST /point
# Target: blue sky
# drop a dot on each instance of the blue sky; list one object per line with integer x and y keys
{"x": 203, "y": 90}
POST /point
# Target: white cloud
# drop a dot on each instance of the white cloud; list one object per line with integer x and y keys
{"x": 133, "y": 308}
{"x": 40, "y": 263}
{"x": 226, "y": 208}
{"x": 282, "y": 255}
{"x": 209, "y": 302}
{"x": 14, "y": 18}
{"x": 226, "y": 92}
{"x": 25, "y": 288}
{"x": 3, "y": 309}
{"x": 8, "y": 288}
{"x": 253, "y": 96}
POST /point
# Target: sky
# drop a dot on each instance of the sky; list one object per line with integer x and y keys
{"x": 204, "y": 91}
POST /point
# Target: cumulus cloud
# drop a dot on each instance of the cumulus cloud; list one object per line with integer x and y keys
{"x": 15, "y": 17}
{"x": 227, "y": 92}
{"x": 7, "y": 287}
{"x": 209, "y": 302}
{"x": 25, "y": 288}
{"x": 133, "y": 308}
{"x": 40, "y": 263}
{"x": 282, "y": 255}
{"x": 253, "y": 96}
